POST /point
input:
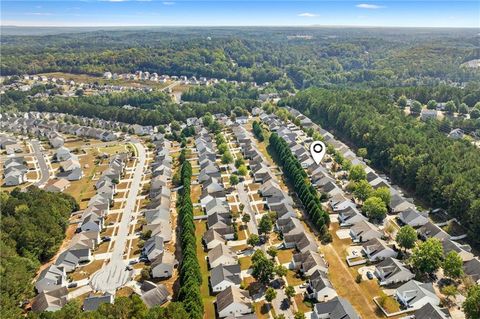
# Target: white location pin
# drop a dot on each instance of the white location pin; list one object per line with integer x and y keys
{"x": 318, "y": 150}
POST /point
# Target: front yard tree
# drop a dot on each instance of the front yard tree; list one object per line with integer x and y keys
{"x": 416, "y": 107}
{"x": 234, "y": 179}
{"x": 299, "y": 315}
{"x": 270, "y": 294}
{"x": 362, "y": 190}
{"x": 432, "y": 105}
{"x": 262, "y": 268}
{"x": 265, "y": 225}
{"x": 242, "y": 170}
{"x": 452, "y": 265}
{"x": 471, "y": 305}
{"x": 272, "y": 251}
{"x": 375, "y": 208}
{"x": 281, "y": 271}
{"x": 427, "y": 256}
{"x": 227, "y": 158}
{"x": 402, "y": 101}
{"x": 253, "y": 240}
{"x": 357, "y": 173}
{"x": 450, "y": 107}
{"x": 384, "y": 194}
{"x": 290, "y": 291}
{"x": 406, "y": 237}
{"x": 246, "y": 218}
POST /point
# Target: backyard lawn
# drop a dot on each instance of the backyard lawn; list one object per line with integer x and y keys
{"x": 200, "y": 227}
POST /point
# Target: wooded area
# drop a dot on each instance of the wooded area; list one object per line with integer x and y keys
{"x": 32, "y": 228}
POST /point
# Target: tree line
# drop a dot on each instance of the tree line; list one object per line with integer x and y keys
{"x": 190, "y": 275}
{"x": 33, "y": 225}
{"x": 297, "y": 176}
{"x": 440, "y": 171}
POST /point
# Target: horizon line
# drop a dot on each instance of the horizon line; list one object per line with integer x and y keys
{"x": 237, "y": 26}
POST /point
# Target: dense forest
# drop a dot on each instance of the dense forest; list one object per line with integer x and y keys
{"x": 322, "y": 57}
{"x": 32, "y": 227}
{"x": 441, "y": 171}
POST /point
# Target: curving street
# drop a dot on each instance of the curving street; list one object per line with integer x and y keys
{"x": 114, "y": 275}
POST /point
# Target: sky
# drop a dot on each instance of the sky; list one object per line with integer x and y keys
{"x": 407, "y": 13}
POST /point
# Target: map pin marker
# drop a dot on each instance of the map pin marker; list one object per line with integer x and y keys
{"x": 318, "y": 150}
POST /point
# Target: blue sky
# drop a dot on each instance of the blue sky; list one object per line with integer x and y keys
{"x": 407, "y": 13}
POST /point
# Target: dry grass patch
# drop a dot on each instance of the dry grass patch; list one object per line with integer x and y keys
{"x": 245, "y": 262}
{"x": 301, "y": 305}
{"x": 293, "y": 279}
{"x": 102, "y": 248}
{"x": 262, "y": 309}
{"x": 285, "y": 255}
{"x": 196, "y": 191}
{"x": 124, "y": 292}
{"x": 87, "y": 270}
{"x": 112, "y": 218}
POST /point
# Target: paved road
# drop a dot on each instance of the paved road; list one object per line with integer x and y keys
{"x": 114, "y": 275}
{"x": 44, "y": 172}
{"x": 243, "y": 197}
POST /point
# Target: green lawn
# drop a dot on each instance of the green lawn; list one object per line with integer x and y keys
{"x": 200, "y": 227}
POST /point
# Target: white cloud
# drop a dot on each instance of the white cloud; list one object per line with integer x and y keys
{"x": 168, "y": 3}
{"x": 39, "y": 13}
{"x": 368, "y": 6}
{"x": 308, "y": 15}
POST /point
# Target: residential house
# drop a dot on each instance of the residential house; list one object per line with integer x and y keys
{"x": 233, "y": 302}
{"x": 364, "y": 231}
{"x": 308, "y": 262}
{"x": 72, "y": 257}
{"x": 456, "y": 134}
{"x": 211, "y": 238}
{"x": 414, "y": 295}
{"x": 428, "y": 115}
{"x": 224, "y": 276}
{"x": 320, "y": 288}
{"x": 337, "y": 308}
{"x": 162, "y": 266}
{"x": 92, "y": 302}
{"x": 154, "y": 295}
{"x": 464, "y": 251}
{"x": 153, "y": 247}
{"x": 51, "y": 278}
{"x": 429, "y": 311}
{"x": 413, "y": 217}
{"x": 392, "y": 271}
{"x": 471, "y": 268}
{"x": 222, "y": 255}
{"x": 50, "y": 300}
{"x": 376, "y": 250}
{"x": 399, "y": 204}
{"x": 57, "y": 185}
{"x": 430, "y": 230}
{"x": 350, "y": 216}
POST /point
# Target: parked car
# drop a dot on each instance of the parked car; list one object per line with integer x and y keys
{"x": 72, "y": 285}
{"x": 133, "y": 262}
{"x": 369, "y": 275}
